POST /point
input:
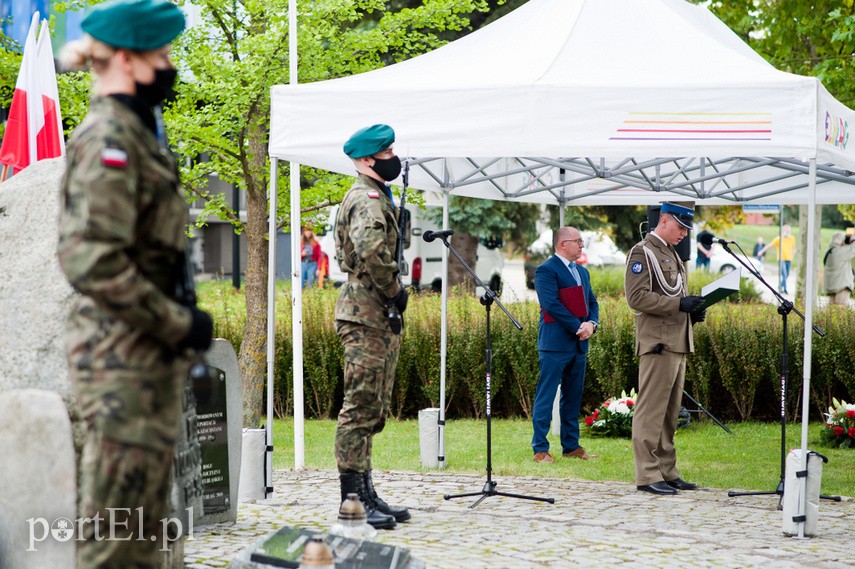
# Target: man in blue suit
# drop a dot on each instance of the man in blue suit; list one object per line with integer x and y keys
{"x": 562, "y": 344}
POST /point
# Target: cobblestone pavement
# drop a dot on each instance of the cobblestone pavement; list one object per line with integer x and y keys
{"x": 602, "y": 523}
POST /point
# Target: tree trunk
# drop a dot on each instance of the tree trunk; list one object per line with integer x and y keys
{"x": 253, "y": 349}
{"x": 467, "y": 247}
{"x": 808, "y": 259}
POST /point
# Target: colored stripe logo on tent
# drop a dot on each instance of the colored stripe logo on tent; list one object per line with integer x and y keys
{"x": 695, "y": 126}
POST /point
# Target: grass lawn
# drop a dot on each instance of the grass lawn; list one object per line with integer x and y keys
{"x": 749, "y": 459}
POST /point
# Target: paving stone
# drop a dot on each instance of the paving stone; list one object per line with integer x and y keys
{"x": 602, "y": 523}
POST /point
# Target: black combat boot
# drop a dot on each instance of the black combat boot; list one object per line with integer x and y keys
{"x": 400, "y": 514}
{"x": 353, "y": 482}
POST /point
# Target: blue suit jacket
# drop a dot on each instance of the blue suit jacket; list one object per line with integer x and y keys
{"x": 561, "y": 334}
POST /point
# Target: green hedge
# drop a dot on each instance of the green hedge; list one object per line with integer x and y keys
{"x": 734, "y": 371}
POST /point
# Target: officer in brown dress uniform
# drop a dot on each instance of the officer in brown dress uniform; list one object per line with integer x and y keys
{"x": 656, "y": 290}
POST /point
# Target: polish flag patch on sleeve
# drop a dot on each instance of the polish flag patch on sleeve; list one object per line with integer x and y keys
{"x": 373, "y": 194}
{"x": 114, "y": 158}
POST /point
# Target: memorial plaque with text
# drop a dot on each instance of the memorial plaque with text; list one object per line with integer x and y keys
{"x": 212, "y": 429}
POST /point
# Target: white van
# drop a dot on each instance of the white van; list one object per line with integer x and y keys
{"x": 424, "y": 259}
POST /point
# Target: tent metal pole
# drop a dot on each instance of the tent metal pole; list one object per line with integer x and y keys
{"x": 443, "y": 350}
{"x": 271, "y": 326}
{"x": 809, "y": 303}
{"x": 296, "y": 273}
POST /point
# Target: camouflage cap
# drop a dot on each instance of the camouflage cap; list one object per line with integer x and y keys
{"x": 369, "y": 140}
{"x": 140, "y": 25}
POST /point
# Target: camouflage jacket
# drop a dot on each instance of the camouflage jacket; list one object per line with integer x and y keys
{"x": 366, "y": 234}
{"x": 122, "y": 228}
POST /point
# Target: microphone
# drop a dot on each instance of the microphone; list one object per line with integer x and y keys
{"x": 432, "y": 235}
{"x": 721, "y": 241}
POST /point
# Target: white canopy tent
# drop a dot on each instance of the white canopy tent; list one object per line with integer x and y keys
{"x": 588, "y": 102}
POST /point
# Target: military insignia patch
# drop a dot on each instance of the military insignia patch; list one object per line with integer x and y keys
{"x": 373, "y": 194}
{"x": 114, "y": 158}
{"x": 636, "y": 268}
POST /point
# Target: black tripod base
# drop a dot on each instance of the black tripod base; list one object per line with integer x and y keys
{"x": 490, "y": 490}
{"x": 780, "y": 492}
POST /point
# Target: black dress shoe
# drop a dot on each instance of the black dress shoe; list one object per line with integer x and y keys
{"x": 681, "y": 484}
{"x": 660, "y": 488}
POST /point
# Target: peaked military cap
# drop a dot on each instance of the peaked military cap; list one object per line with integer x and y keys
{"x": 684, "y": 215}
{"x": 369, "y": 140}
{"x": 140, "y": 25}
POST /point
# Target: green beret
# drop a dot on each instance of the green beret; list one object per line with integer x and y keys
{"x": 140, "y": 25}
{"x": 369, "y": 140}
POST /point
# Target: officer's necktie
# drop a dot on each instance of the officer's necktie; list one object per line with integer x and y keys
{"x": 575, "y": 272}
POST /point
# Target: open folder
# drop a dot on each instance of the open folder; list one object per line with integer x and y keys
{"x": 573, "y": 299}
{"x": 721, "y": 288}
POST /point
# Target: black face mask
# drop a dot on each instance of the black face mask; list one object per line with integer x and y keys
{"x": 154, "y": 93}
{"x": 387, "y": 168}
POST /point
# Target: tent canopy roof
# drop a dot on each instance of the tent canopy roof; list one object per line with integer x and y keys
{"x": 586, "y": 102}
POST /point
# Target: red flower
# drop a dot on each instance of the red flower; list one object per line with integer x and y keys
{"x": 850, "y": 413}
{"x": 630, "y": 403}
{"x": 590, "y": 421}
{"x": 838, "y": 430}
{"x": 852, "y": 432}
{"x": 596, "y": 414}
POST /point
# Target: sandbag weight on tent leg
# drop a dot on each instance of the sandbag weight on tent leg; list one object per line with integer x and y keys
{"x": 792, "y": 498}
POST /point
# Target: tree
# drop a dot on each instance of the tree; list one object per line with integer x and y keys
{"x": 473, "y": 218}
{"x": 814, "y": 38}
{"x": 229, "y": 63}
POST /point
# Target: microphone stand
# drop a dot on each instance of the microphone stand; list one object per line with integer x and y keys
{"x": 784, "y": 308}
{"x": 487, "y": 300}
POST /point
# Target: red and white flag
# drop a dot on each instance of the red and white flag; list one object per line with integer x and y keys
{"x": 50, "y": 142}
{"x": 34, "y": 127}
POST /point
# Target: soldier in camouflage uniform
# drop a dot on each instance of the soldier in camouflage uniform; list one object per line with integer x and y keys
{"x": 121, "y": 245}
{"x": 368, "y": 314}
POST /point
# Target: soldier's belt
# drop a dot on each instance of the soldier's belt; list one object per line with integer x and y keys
{"x": 361, "y": 279}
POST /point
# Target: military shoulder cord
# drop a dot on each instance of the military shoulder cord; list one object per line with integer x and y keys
{"x": 667, "y": 289}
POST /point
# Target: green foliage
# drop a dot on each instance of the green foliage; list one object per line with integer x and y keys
{"x": 487, "y": 218}
{"x": 808, "y": 38}
{"x": 230, "y": 61}
{"x": 734, "y": 371}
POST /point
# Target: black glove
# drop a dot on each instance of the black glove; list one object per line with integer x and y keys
{"x": 400, "y": 300}
{"x": 201, "y": 331}
{"x": 691, "y": 303}
{"x": 698, "y": 316}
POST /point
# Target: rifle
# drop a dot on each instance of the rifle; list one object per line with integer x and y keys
{"x": 396, "y": 319}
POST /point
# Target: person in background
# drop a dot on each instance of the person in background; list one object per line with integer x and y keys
{"x": 785, "y": 245}
{"x": 562, "y": 345}
{"x": 837, "y": 264}
{"x": 656, "y": 291}
{"x": 704, "y": 245}
{"x": 310, "y": 256}
{"x": 759, "y": 252}
{"x": 134, "y": 329}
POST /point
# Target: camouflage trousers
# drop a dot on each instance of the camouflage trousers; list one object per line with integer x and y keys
{"x": 370, "y": 358}
{"x": 125, "y": 487}
{"x": 126, "y": 465}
